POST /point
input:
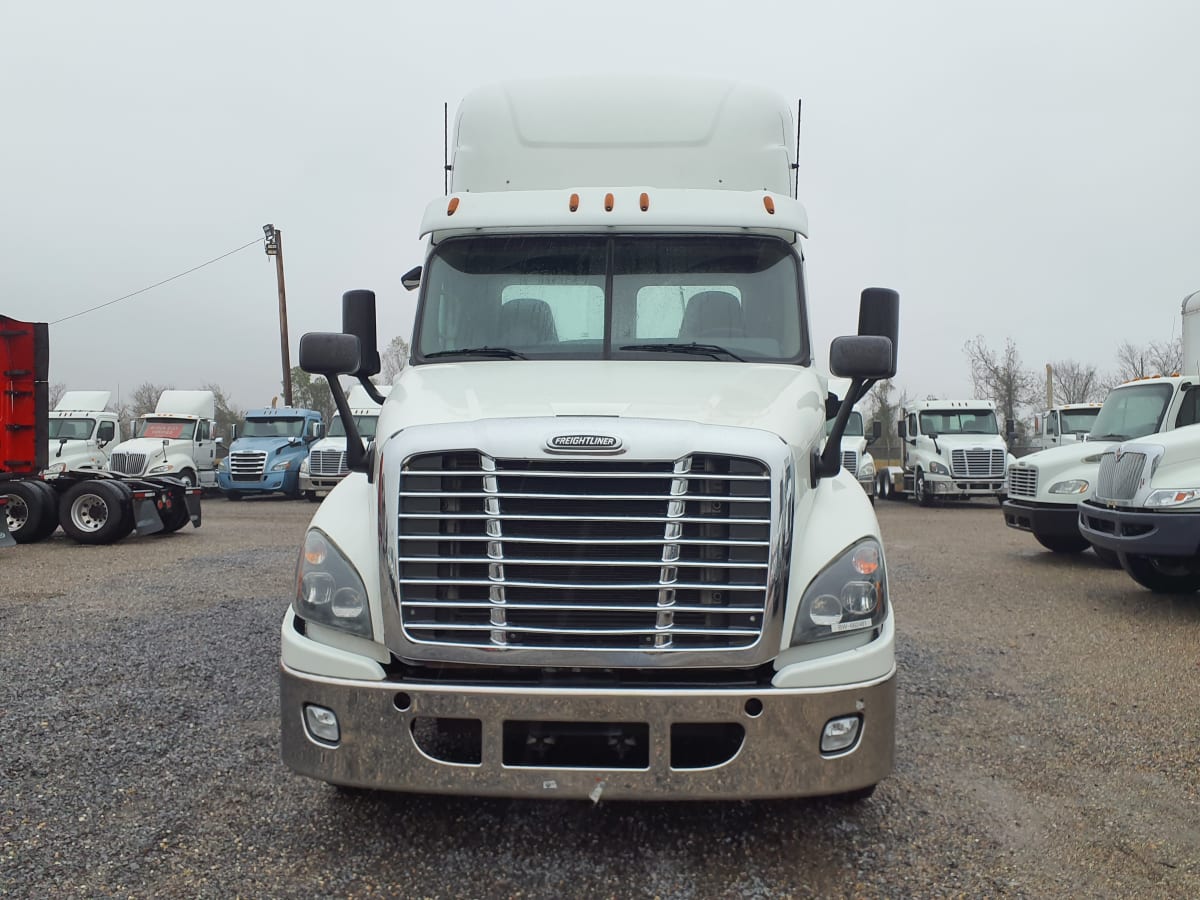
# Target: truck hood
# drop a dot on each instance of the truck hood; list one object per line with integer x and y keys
{"x": 147, "y": 446}
{"x": 968, "y": 441}
{"x": 1056, "y": 460}
{"x": 785, "y": 399}
{"x": 266, "y": 445}
{"x": 336, "y": 444}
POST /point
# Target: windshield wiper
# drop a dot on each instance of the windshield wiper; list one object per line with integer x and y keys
{"x": 1110, "y": 437}
{"x": 714, "y": 350}
{"x": 499, "y": 352}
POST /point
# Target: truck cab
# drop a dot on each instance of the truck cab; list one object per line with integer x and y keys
{"x": 1068, "y": 423}
{"x": 950, "y": 450}
{"x": 179, "y": 439}
{"x": 266, "y": 456}
{"x": 1044, "y": 488}
{"x": 82, "y": 431}
{"x": 325, "y": 465}
{"x": 600, "y": 546}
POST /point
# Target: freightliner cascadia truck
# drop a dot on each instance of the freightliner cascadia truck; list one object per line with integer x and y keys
{"x": 600, "y": 546}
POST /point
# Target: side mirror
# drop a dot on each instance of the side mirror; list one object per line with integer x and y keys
{"x": 900, "y": 429}
{"x": 330, "y": 353}
{"x": 106, "y": 432}
{"x": 862, "y": 356}
{"x": 879, "y": 316}
{"x": 358, "y": 319}
{"x": 832, "y": 405}
{"x": 411, "y": 280}
{"x": 219, "y": 441}
{"x": 876, "y": 430}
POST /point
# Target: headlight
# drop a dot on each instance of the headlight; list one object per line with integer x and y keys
{"x": 56, "y": 468}
{"x": 1074, "y": 486}
{"x": 850, "y": 594}
{"x": 304, "y": 466}
{"x": 1167, "y": 497}
{"x": 328, "y": 589}
{"x": 282, "y": 466}
{"x": 164, "y": 467}
{"x": 938, "y": 468}
{"x": 866, "y": 470}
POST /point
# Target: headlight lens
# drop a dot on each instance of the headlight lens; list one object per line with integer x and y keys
{"x": 282, "y": 466}
{"x": 1074, "y": 486}
{"x": 165, "y": 467}
{"x": 848, "y": 595}
{"x": 938, "y": 468}
{"x": 866, "y": 470}
{"x": 56, "y": 468}
{"x": 304, "y": 466}
{"x": 1166, "y": 497}
{"x": 328, "y": 589}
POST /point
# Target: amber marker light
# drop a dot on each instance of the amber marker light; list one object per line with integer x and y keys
{"x": 453, "y": 207}
{"x": 315, "y": 550}
{"x": 769, "y": 204}
{"x": 866, "y": 560}
{"x": 608, "y": 202}
{"x": 645, "y": 201}
{"x": 574, "y": 203}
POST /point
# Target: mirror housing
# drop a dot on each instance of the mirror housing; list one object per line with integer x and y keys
{"x": 411, "y": 280}
{"x": 879, "y": 316}
{"x": 862, "y": 356}
{"x": 330, "y": 353}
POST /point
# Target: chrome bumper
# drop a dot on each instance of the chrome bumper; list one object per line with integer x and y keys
{"x": 779, "y": 753}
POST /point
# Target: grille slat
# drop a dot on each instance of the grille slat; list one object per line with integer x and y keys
{"x": 850, "y": 461}
{"x": 983, "y": 463}
{"x": 1118, "y": 479}
{"x": 1022, "y": 481}
{"x": 247, "y": 465}
{"x": 556, "y": 554}
{"x": 127, "y": 463}
{"x": 327, "y": 463}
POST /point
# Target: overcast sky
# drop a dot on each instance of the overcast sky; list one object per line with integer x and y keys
{"x": 1015, "y": 169}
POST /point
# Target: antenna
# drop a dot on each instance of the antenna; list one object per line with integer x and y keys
{"x": 796, "y": 164}
{"x": 445, "y": 147}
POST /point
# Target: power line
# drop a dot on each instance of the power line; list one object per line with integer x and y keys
{"x": 160, "y": 283}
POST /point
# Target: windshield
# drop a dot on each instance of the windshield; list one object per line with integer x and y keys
{"x": 1132, "y": 411}
{"x": 854, "y": 425}
{"x": 164, "y": 429}
{"x": 364, "y": 423}
{"x": 716, "y": 297}
{"x": 1079, "y": 420}
{"x": 959, "y": 421}
{"x": 274, "y": 427}
{"x": 71, "y": 429}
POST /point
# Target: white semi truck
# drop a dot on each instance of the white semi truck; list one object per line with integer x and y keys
{"x": 1144, "y": 506}
{"x": 179, "y": 438}
{"x": 1067, "y": 423}
{"x": 596, "y": 549}
{"x": 325, "y": 465}
{"x": 82, "y": 431}
{"x": 949, "y": 450}
{"x": 856, "y": 459}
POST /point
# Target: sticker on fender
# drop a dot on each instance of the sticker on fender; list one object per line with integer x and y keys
{"x": 851, "y": 626}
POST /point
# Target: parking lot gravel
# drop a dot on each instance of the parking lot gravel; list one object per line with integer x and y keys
{"x": 1048, "y": 743}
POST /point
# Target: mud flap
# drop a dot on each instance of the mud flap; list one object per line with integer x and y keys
{"x": 145, "y": 517}
{"x": 193, "y": 505}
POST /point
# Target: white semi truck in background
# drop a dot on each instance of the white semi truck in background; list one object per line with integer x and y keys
{"x": 949, "y": 450}
{"x": 596, "y": 548}
{"x": 325, "y": 465}
{"x": 856, "y": 459}
{"x": 179, "y": 438}
{"x": 82, "y": 431}
{"x": 1067, "y": 423}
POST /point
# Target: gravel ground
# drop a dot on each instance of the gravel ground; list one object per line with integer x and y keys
{"x": 1048, "y": 744}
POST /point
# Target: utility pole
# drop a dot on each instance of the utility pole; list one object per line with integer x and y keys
{"x": 274, "y": 247}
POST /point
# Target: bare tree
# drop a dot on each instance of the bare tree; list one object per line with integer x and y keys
{"x": 312, "y": 392}
{"x": 228, "y": 413}
{"x": 140, "y": 401}
{"x": 1000, "y": 377}
{"x": 1154, "y": 358}
{"x": 882, "y": 408}
{"x": 55, "y": 393}
{"x": 1075, "y": 382}
{"x": 393, "y": 359}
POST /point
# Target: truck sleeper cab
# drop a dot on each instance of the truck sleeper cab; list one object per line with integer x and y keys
{"x": 595, "y": 549}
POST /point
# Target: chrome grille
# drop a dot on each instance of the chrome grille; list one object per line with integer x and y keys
{"x": 977, "y": 463}
{"x": 247, "y": 465}
{"x": 127, "y": 463}
{"x": 1118, "y": 479}
{"x": 584, "y": 554}
{"x": 1022, "y": 481}
{"x": 327, "y": 462}
{"x": 850, "y": 461}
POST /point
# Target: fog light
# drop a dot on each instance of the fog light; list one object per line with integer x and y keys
{"x": 322, "y": 724}
{"x": 840, "y": 733}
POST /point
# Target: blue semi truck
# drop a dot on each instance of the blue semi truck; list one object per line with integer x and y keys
{"x": 265, "y": 458}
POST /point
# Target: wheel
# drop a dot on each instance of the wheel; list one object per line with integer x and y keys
{"x": 50, "y": 504}
{"x": 95, "y": 512}
{"x": 311, "y": 496}
{"x": 174, "y": 512}
{"x": 883, "y": 486}
{"x": 188, "y": 477}
{"x": 27, "y": 511}
{"x": 1106, "y": 556}
{"x": 1163, "y": 574}
{"x": 233, "y": 495}
{"x": 1062, "y": 543}
{"x": 919, "y": 490}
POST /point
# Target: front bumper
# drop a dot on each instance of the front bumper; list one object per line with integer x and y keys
{"x": 319, "y": 482}
{"x": 1140, "y": 533}
{"x": 269, "y": 482}
{"x": 950, "y": 488}
{"x": 1045, "y": 519}
{"x": 778, "y": 755}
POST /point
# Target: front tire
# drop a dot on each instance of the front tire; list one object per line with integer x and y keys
{"x": 1162, "y": 574}
{"x": 920, "y": 491}
{"x": 28, "y": 510}
{"x": 95, "y": 512}
{"x": 188, "y": 477}
{"x": 1062, "y": 543}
